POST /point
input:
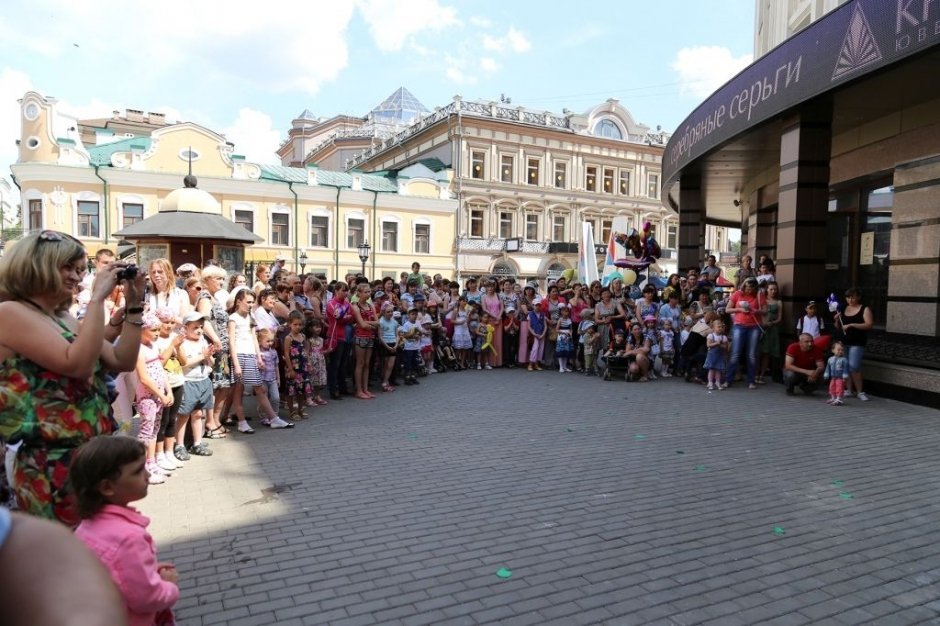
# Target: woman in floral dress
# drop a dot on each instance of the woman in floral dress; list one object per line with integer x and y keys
{"x": 54, "y": 394}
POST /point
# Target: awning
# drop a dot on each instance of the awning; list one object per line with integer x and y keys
{"x": 188, "y": 225}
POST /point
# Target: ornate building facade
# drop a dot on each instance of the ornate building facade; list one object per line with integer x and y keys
{"x": 524, "y": 180}
{"x": 313, "y": 217}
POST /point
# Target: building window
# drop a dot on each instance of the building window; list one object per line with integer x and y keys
{"x": 652, "y": 186}
{"x": 133, "y": 213}
{"x": 477, "y": 163}
{"x": 35, "y": 214}
{"x": 560, "y": 228}
{"x": 608, "y": 180}
{"x": 590, "y": 182}
{"x": 561, "y": 174}
{"x": 423, "y": 238}
{"x": 280, "y": 229}
{"x": 606, "y": 227}
{"x": 607, "y": 128}
{"x": 355, "y": 232}
{"x": 245, "y": 219}
{"x": 505, "y": 169}
{"x": 532, "y": 227}
{"x": 624, "y": 182}
{"x": 505, "y": 224}
{"x": 672, "y": 236}
{"x": 389, "y": 236}
{"x": 476, "y": 222}
{"x": 532, "y": 171}
{"x": 319, "y": 231}
{"x": 88, "y": 219}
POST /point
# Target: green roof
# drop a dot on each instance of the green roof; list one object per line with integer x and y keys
{"x": 370, "y": 182}
{"x": 101, "y": 155}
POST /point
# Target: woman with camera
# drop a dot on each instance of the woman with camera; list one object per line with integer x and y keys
{"x": 54, "y": 392}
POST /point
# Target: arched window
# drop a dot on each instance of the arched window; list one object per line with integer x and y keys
{"x": 607, "y": 128}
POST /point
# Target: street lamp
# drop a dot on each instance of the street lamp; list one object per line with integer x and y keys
{"x": 303, "y": 260}
{"x": 364, "y": 249}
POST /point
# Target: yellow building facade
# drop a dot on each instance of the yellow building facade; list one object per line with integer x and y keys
{"x": 303, "y": 214}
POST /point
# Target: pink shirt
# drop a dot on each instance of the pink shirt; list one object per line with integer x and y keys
{"x": 118, "y": 536}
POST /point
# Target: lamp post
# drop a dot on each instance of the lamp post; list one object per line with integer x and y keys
{"x": 303, "y": 260}
{"x": 364, "y": 249}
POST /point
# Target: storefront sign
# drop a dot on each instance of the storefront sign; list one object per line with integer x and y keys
{"x": 857, "y": 38}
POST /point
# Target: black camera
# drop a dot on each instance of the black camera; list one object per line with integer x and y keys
{"x": 127, "y": 273}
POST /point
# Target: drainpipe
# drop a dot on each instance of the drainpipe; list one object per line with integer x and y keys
{"x": 107, "y": 211}
{"x": 290, "y": 186}
{"x": 375, "y": 201}
{"x": 335, "y": 230}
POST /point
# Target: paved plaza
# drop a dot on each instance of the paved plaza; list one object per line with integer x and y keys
{"x": 609, "y": 503}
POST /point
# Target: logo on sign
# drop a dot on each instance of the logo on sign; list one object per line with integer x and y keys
{"x": 859, "y": 47}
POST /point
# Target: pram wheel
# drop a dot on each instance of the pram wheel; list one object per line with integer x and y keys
{"x": 606, "y": 373}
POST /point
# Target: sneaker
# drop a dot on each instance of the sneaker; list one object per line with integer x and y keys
{"x": 723, "y": 386}
{"x": 165, "y": 464}
{"x": 711, "y": 387}
{"x": 863, "y": 396}
{"x": 487, "y": 367}
{"x": 156, "y": 479}
{"x": 244, "y": 428}
{"x": 277, "y": 422}
{"x": 752, "y": 386}
{"x": 172, "y": 460}
{"x": 479, "y": 367}
{"x": 847, "y": 393}
{"x": 200, "y": 449}
{"x": 180, "y": 452}
{"x": 156, "y": 470}
{"x": 837, "y": 402}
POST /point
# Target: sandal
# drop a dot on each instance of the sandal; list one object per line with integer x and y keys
{"x": 215, "y": 433}
{"x": 387, "y": 388}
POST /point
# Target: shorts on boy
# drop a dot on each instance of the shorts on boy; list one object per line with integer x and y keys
{"x": 197, "y": 394}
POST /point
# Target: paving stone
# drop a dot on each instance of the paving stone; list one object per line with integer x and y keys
{"x": 346, "y": 519}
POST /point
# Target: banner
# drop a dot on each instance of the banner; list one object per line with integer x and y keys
{"x": 587, "y": 260}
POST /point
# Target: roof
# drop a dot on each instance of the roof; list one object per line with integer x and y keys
{"x": 399, "y": 107}
{"x": 101, "y": 155}
{"x": 184, "y": 224}
{"x": 370, "y": 182}
{"x": 306, "y": 114}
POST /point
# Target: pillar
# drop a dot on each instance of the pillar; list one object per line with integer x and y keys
{"x": 914, "y": 274}
{"x": 691, "y": 221}
{"x": 802, "y": 209}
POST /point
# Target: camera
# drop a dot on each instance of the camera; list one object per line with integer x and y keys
{"x": 127, "y": 273}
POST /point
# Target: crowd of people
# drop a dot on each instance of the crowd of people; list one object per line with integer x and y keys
{"x": 181, "y": 349}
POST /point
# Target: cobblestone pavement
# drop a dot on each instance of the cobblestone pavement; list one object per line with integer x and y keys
{"x": 609, "y": 502}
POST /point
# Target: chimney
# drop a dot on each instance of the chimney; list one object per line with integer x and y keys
{"x": 134, "y": 115}
{"x": 156, "y": 118}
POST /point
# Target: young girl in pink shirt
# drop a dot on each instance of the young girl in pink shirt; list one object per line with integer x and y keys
{"x": 107, "y": 474}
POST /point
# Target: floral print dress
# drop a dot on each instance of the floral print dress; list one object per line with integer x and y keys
{"x": 298, "y": 384}
{"x": 317, "y": 363}
{"x": 49, "y": 415}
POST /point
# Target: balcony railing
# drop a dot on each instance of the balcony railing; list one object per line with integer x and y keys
{"x": 483, "y": 244}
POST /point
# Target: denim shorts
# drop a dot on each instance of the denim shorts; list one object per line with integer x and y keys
{"x": 854, "y": 356}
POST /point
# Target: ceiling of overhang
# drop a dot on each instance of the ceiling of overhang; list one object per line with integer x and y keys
{"x": 726, "y": 170}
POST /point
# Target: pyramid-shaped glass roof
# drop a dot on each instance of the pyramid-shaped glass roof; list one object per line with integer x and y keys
{"x": 401, "y": 107}
{"x": 306, "y": 115}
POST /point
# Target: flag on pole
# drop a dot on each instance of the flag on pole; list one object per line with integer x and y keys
{"x": 587, "y": 261}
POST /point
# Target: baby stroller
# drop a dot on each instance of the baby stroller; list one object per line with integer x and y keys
{"x": 444, "y": 356}
{"x": 617, "y": 367}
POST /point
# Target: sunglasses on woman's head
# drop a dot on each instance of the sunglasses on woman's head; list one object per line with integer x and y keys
{"x": 55, "y": 236}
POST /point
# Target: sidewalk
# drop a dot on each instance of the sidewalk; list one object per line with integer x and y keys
{"x": 609, "y": 502}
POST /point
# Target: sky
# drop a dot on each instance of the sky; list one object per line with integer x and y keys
{"x": 246, "y": 70}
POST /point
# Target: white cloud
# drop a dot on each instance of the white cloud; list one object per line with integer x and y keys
{"x": 175, "y": 39}
{"x": 488, "y": 64}
{"x": 254, "y": 136}
{"x": 583, "y": 34}
{"x": 517, "y": 41}
{"x": 456, "y": 75}
{"x": 393, "y": 22}
{"x": 480, "y": 21}
{"x": 513, "y": 41}
{"x": 702, "y": 69}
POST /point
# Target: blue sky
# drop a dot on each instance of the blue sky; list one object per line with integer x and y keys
{"x": 246, "y": 69}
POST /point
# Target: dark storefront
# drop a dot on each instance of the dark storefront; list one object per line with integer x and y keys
{"x": 826, "y": 153}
